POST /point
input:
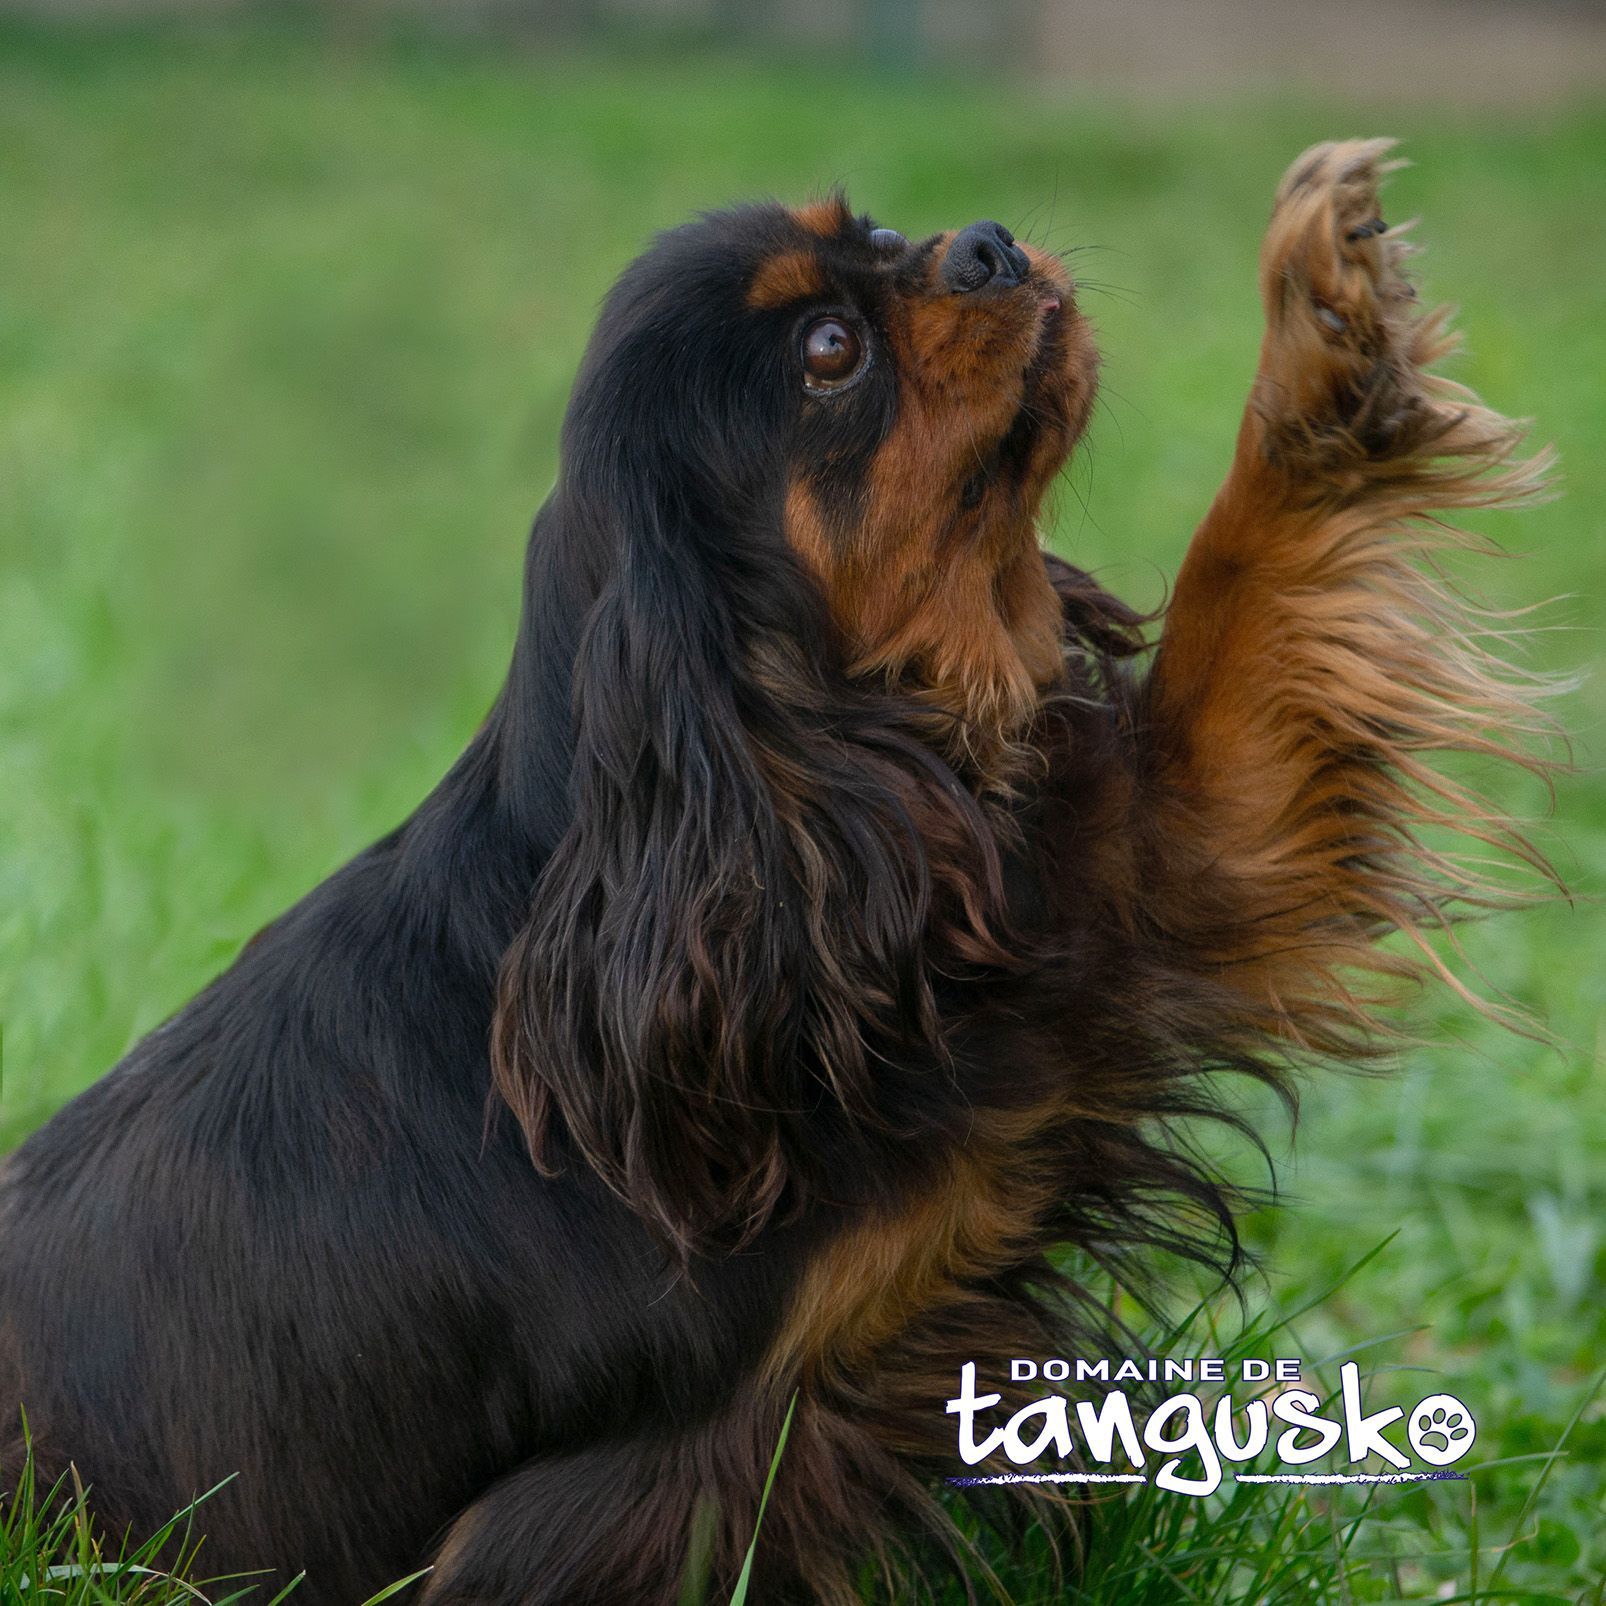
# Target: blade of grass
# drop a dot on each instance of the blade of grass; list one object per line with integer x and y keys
{"x": 389, "y": 1589}
{"x": 740, "y": 1596}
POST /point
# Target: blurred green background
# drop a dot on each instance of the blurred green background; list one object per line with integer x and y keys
{"x": 288, "y": 315}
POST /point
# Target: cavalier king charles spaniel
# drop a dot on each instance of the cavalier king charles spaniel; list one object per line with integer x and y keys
{"x": 844, "y": 907}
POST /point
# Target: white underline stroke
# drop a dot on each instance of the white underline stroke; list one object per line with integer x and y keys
{"x": 1350, "y": 1477}
{"x": 1052, "y": 1477}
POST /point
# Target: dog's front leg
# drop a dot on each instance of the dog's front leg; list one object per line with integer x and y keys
{"x": 1313, "y": 654}
{"x": 668, "y": 1517}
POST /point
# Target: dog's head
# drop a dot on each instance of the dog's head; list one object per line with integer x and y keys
{"x": 895, "y": 409}
{"x": 792, "y": 553}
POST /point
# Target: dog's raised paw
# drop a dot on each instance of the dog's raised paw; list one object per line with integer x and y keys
{"x": 1342, "y": 345}
{"x": 1329, "y": 260}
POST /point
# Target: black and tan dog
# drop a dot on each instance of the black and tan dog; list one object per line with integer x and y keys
{"x": 837, "y": 912}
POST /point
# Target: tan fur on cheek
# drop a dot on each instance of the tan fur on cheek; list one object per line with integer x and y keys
{"x": 960, "y": 597}
{"x": 957, "y": 643}
{"x": 978, "y": 627}
{"x": 807, "y": 536}
{"x": 1031, "y": 614}
{"x": 935, "y": 587}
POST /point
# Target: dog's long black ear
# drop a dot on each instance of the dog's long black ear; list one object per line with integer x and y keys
{"x": 737, "y": 917}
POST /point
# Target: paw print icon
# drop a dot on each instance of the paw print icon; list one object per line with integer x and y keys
{"x": 1441, "y": 1430}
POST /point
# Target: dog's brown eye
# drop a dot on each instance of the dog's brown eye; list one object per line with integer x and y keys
{"x": 832, "y": 351}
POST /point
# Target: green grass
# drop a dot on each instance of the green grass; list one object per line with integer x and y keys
{"x": 286, "y": 331}
{"x": 1266, "y": 1545}
{"x": 51, "y": 1554}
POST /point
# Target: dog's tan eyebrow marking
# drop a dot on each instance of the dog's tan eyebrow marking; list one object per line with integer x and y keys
{"x": 791, "y": 276}
{"x": 824, "y": 218}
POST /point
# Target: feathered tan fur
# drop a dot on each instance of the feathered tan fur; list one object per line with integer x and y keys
{"x": 1316, "y": 655}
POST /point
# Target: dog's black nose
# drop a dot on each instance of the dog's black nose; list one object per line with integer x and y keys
{"x": 983, "y": 254}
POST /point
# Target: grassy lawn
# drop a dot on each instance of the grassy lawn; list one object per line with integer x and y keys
{"x": 286, "y": 332}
